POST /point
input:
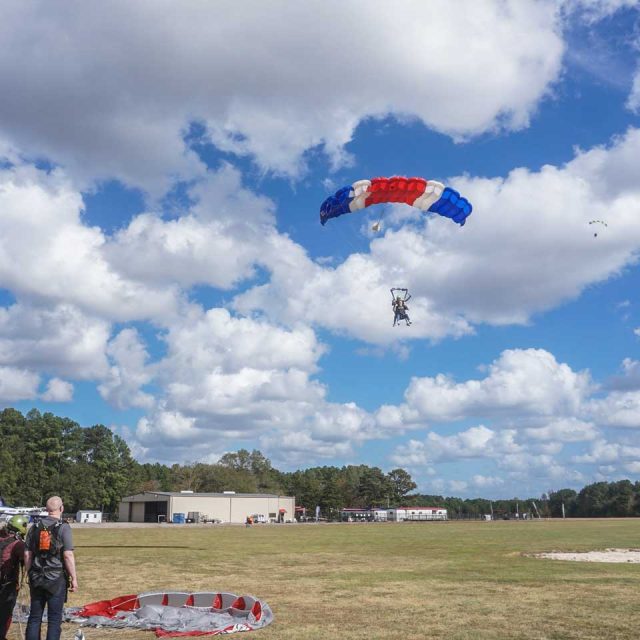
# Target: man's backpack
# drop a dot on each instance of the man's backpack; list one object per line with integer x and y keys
{"x": 6, "y": 569}
{"x": 45, "y": 543}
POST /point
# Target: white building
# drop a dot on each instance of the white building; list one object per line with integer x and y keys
{"x": 89, "y": 515}
{"x": 400, "y": 514}
{"x": 183, "y": 506}
{"x": 380, "y": 515}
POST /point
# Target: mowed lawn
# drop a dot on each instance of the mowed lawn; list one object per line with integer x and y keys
{"x": 463, "y": 581}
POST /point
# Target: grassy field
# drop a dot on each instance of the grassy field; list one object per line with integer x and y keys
{"x": 460, "y": 581}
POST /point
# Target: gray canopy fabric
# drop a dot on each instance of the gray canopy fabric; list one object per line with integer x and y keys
{"x": 173, "y": 613}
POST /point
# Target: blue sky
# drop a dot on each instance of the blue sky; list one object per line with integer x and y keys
{"x": 163, "y": 270}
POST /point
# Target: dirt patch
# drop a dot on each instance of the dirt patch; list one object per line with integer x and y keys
{"x": 608, "y": 555}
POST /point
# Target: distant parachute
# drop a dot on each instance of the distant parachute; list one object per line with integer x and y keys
{"x": 426, "y": 195}
{"x": 596, "y": 222}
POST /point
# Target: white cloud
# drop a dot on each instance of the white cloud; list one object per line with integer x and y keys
{"x": 63, "y": 261}
{"x": 475, "y": 442}
{"x": 617, "y": 409}
{"x": 122, "y": 386}
{"x": 18, "y": 384}
{"x": 568, "y": 429}
{"x": 229, "y": 377}
{"x": 633, "y": 467}
{"x": 58, "y": 339}
{"x": 486, "y": 482}
{"x": 217, "y": 241}
{"x": 169, "y": 426}
{"x": 630, "y": 378}
{"x": 171, "y": 65}
{"x": 605, "y": 452}
{"x": 58, "y": 391}
{"x": 519, "y": 383}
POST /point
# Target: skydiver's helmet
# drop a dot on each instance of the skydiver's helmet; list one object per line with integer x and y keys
{"x": 18, "y": 524}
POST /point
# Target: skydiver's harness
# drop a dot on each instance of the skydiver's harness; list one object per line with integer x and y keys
{"x": 45, "y": 544}
{"x": 400, "y": 307}
{"x": 8, "y": 573}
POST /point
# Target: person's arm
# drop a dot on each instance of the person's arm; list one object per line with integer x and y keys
{"x": 28, "y": 559}
{"x": 70, "y": 565}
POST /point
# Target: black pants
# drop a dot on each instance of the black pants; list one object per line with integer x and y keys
{"x": 8, "y": 597}
{"x": 53, "y": 597}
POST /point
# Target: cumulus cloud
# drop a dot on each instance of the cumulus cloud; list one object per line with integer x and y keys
{"x": 519, "y": 383}
{"x": 122, "y": 386}
{"x": 58, "y": 339}
{"x": 568, "y": 429}
{"x": 475, "y": 442}
{"x": 605, "y": 452}
{"x": 58, "y": 391}
{"x": 18, "y": 384}
{"x": 233, "y": 377}
{"x": 617, "y": 409}
{"x": 630, "y": 378}
{"x": 217, "y": 241}
{"x": 63, "y": 261}
{"x": 145, "y": 269}
{"x": 171, "y": 66}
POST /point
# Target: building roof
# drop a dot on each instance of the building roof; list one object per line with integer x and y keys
{"x": 422, "y": 508}
{"x": 180, "y": 494}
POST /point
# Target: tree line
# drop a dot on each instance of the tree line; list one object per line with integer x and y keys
{"x": 92, "y": 468}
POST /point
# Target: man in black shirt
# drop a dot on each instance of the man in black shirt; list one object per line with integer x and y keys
{"x": 51, "y": 566}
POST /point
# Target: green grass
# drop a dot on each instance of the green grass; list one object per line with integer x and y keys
{"x": 460, "y": 581}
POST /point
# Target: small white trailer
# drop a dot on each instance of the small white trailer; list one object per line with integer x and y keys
{"x": 91, "y": 516}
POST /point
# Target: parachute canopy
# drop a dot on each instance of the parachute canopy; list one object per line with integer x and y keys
{"x": 426, "y": 195}
{"x": 597, "y": 222}
{"x": 172, "y": 613}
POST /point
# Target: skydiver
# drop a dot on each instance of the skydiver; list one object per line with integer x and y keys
{"x": 400, "y": 308}
{"x": 11, "y": 564}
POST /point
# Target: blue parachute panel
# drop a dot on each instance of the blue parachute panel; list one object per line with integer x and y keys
{"x": 452, "y": 205}
{"x": 336, "y": 205}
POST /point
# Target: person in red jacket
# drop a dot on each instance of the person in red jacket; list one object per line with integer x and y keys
{"x": 11, "y": 562}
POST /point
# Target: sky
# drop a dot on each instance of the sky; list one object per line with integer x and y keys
{"x": 163, "y": 270}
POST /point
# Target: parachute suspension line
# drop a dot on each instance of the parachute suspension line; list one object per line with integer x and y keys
{"x": 377, "y": 225}
{"x": 345, "y": 235}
